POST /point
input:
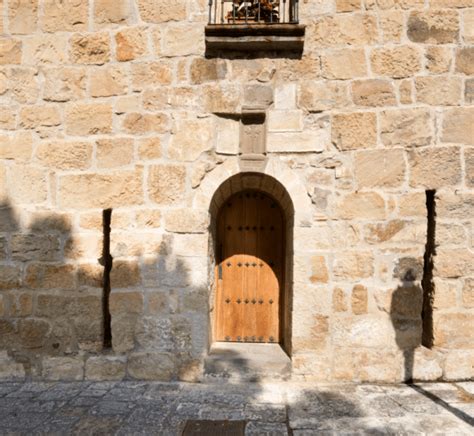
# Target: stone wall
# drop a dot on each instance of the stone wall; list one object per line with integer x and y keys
{"x": 112, "y": 104}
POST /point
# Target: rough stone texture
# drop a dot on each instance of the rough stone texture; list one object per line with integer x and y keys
{"x": 67, "y": 15}
{"x": 458, "y": 126}
{"x": 88, "y": 119}
{"x": 166, "y": 183}
{"x": 378, "y": 168}
{"x": 438, "y": 90}
{"x": 91, "y": 48}
{"x": 373, "y": 92}
{"x": 353, "y": 131}
{"x": 465, "y": 60}
{"x": 131, "y": 44}
{"x": 433, "y": 26}
{"x": 344, "y": 64}
{"x": 396, "y": 62}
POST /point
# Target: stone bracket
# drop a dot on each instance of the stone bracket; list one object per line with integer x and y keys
{"x": 252, "y": 147}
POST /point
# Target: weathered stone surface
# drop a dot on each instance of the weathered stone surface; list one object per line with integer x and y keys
{"x": 149, "y": 148}
{"x": 207, "y": 70}
{"x": 111, "y": 12}
{"x": 458, "y": 126}
{"x": 436, "y": 167}
{"x": 438, "y": 90}
{"x": 9, "y": 369}
{"x": 166, "y": 183}
{"x": 131, "y": 44}
{"x": 151, "y": 366}
{"x": 468, "y": 293}
{"x": 186, "y": 221}
{"x": 22, "y": 178}
{"x": 359, "y": 300}
{"x": 353, "y": 265}
{"x": 163, "y": 11}
{"x": 319, "y": 96}
{"x": 101, "y": 368}
{"x": 438, "y": 59}
{"x": 354, "y": 130}
{"x": 10, "y": 276}
{"x": 107, "y": 82}
{"x": 459, "y": 365}
{"x": 10, "y": 51}
{"x": 101, "y": 190}
{"x": 398, "y": 62}
{"x": 319, "y": 270}
{"x": 377, "y": 168}
{"x": 63, "y": 368}
{"x": 67, "y": 15}
{"x": 182, "y": 40}
{"x": 303, "y": 142}
{"x": 33, "y": 117}
{"x": 339, "y": 302}
{"x": 361, "y": 205}
{"x": 64, "y": 84}
{"x": 468, "y": 32}
{"x": 116, "y": 152}
{"x": 45, "y": 49}
{"x": 18, "y": 147}
{"x": 373, "y": 92}
{"x": 222, "y": 98}
{"x": 28, "y": 247}
{"x": 228, "y": 135}
{"x": 426, "y": 364}
{"x": 146, "y": 74}
{"x": 23, "y": 16}
{"x": 25, "y": 86}
{"x": 344, "y": 64}
{"x": 88, "y": 119}
{"x": 392, "y": 25}
{"x": 44, "y": 276}
{"x": 465, "y": 60}
{"x": 406, "y": 127}
{"x": 433, "y": 26}
{"x": 93, "y": 48}
{"x": 469, "y": 166}
{"x": 191, "y": 138}
{"x": 348, "y": 5}
{"x": 452, "y": 330}
{"x": 139, "y": 123}
{"x": 33, "y": 333}
{"x": 453, "y": 263}
{"x": 469, "y": 91}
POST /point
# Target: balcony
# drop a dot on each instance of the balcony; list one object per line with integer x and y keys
{"x": 254, "y": 25}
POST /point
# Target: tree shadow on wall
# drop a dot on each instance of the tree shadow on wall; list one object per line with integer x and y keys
{"x": 51, "y": 302}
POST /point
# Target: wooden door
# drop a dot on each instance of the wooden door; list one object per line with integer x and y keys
{"x": 249, "y": 271}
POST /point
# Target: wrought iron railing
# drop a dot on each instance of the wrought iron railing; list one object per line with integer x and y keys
{"x": 248, "y": 12}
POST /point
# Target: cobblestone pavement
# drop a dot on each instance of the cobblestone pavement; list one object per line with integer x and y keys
{"x": 128, "y": 408}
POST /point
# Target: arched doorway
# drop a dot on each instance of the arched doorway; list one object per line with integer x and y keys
{"x": 252, "y": 221}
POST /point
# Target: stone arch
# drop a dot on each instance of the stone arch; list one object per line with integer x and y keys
{"x": 281, "y": 183}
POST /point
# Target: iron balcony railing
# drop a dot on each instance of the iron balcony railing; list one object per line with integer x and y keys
{"x": 248, "y": 12}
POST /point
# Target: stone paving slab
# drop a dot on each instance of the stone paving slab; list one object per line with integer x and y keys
{"x": 139, "y": 408}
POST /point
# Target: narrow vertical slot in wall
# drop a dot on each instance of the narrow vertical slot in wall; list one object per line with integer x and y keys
{"x": 106, "y": 261}
{"x": 427, "y": 281}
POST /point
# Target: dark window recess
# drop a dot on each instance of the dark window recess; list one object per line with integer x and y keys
{"x": 427, "y": 281}
{"x": 254, "y": 25}
{"x": 106, "y": 261}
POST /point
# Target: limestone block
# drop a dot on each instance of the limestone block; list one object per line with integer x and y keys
{"x": 319, "y": 270}
{"x": 227, "y": 135}
{"x": 469, "y": 166}
{"x": 103, "y": 368}
{"x": 3, "y": 82}
{"x": 393, "y": 4}
{"x": 354, "y": 130}
{"x": 7, "y": 118}
{"x": 465, "y": 60}
{"x": 438, "y": 90}
{"x": 148, "y": 219}
{"x": 191, "y": 245}
{"x": 406, "y": 127}
{"x": 459, "y": 365}
{"x": 396, "y": 231}
{"x": 166, "y": 183}
{"x": 131, "y": 44}
{"x": 88, "y": 119}
{"x": 24, "y": 84}
{"x": 142, "y": 123}
{"x": 63, "y": 368}
{"x": 183, "y": 39}
{"x": 348, "y": 5}
{"x": 125, "y": 303}
{"x": 469, "y": 91}
{"x": 353, "y": 265}
{"x": 320, "y": 96}
{"x": 162, "y": 11}
{"x": 458, "y": 126}
{"x": 311, "y": 239}
{"x": 9, "y": 368}
{"x": 299, "y": 142}
{"x": 468, "y": 293}
{"x": 21, "y": 305}
{"x": 101, "y": 190}
{"x": 433, "y": 26}
{"x": 111, "y": 12}
{"x": 377, "y": 168}
{"x": 27, "y": 184}
{"x": 207, "y": 70}
{"x": 373, "y": 92}
{"x": 83, "y": 246}
{"x": 10, "y": 276}
{"x": 453, "y": 263}
{"x": 285, "y": 120}
{"x": 426, "y": 364}
{"x": 359, "y": 300}
{"x": 116, "y": 152}
{"x": 405, "y": 90}
{"x": 450, "y": 234}
{"x": 149, "y": 148}
{"x": 64, "y": 84}
{"x": 454, "y": 204}
{"x": 438, "y": 59}
{"x": 44, "y": 276}
{"x": 352, "y": 29}
{"x": 45, "y": 49}
{"x": 29, "y": 247}
{"x": 127, "y": 103}
{"x": 392, "y": 25}
{"x": 343, "y": 64}
{"x": 468, "y": 27}
{"x": 33, "y": 117}
{"x": 397, "y": 62}
{"x": 361, "y": 205}
{"x": 186, "y": 221}
{"x": 145, "y": 74}
{"x": 285, "y": 96}
{"x": 23, "y": 16}
{"x": 445, "y": 294}
{"x": 66, "y": 15}
{"x": 258, "y": 95}
{"x": 339, "y": 301}
{"x": 18, "y": 147}
{"x": 222, "y": 98}
{"x": 108, "y": 82}
{"x": 190, "y": 138}
{"x": 453, "y": 330}
{"x": 435, "y": 167}
{"x": 90, "y": 48}
{"x": 451, "y": 3}
{"x": 10, "y": 51}
{"x": 151, "y": 366}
